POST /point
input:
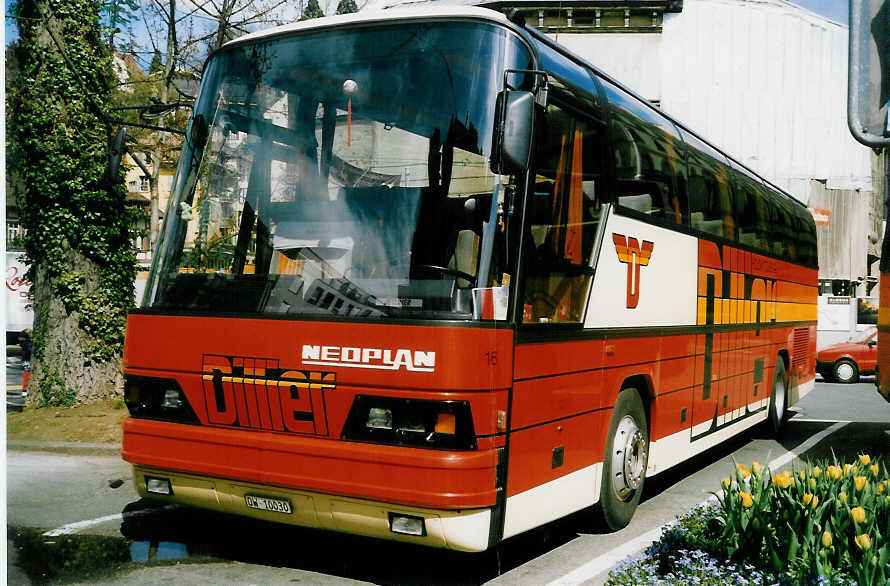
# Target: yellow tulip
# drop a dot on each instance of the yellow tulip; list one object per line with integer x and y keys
{"x": 783, "y": 480}
{"x": 842, "y": 497}
{"x": 849, "y": 469}
{"x": 860, "y": 482}
{"x": 802, "y": 475}
{"x": 746, "y": 499}
{"x": 743, "y": 471}
{"x": 834, "y": 472}
{"x": 817, "y": 472}
{"x": 881, "y": 488}
{"x": 812, "y": 483}
{"x": 826, "y": 539}
{"x": 858, "y": 514}
{"x": 874, "y": 469}
{"x": 864, "y": 459}
{"x": 810, "y": 498}
{"x": 863, "y": 541}
{"x": 757, "y": 468}
{"x": 726, "y": 482}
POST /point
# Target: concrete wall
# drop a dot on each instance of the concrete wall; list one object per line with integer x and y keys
{"x": 763, "y": 79}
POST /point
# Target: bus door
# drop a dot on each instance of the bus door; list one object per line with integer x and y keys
{"x": 556, "y": 423}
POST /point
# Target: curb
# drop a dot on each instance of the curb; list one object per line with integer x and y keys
{"x": 84, "y": 448}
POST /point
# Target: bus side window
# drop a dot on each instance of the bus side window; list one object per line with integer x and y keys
{"x": 751, "y": 212}
{"x": 710, "y": 197}
{"x": 563, "y": 212}
{"x": 649, "y": 159}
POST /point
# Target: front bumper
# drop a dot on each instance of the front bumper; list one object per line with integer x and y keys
{"x": 462, "y": 530}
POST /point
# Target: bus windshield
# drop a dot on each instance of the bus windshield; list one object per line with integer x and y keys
{"x": 342, "y": 173}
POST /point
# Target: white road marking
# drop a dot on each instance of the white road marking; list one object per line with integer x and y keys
{"x": 75, "y": 527}
{"x": 611, "y": 558}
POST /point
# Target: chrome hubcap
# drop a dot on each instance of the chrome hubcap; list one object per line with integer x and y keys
{"x": 628, "y": 458}
{"x": 779, "y": 397}
{"x": 845, "y": 371}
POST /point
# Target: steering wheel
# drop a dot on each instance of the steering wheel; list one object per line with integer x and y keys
{"x": 447, "y": 271}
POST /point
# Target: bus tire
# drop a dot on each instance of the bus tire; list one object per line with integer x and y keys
{"x": 778, "y": 399}
{"x": 845, "y": 371}
{"x": 625, "y": 460}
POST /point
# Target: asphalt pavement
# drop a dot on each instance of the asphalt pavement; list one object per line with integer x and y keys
{"x": 82, "y": 498}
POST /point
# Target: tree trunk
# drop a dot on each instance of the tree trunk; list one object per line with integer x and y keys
{"x": 77, "y": 241}
{"x": 155, "y": 196}
{"x": 169, "y": 70}
{"x": 61, "y": 373}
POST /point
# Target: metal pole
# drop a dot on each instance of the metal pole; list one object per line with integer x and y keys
{"x": 882, "y": 372}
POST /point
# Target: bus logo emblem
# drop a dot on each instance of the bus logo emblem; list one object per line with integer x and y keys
{"x": 243, "y": 391}
{"x": 634, "y": 256}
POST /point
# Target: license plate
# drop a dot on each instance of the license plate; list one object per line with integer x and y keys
{"x": 264, "y": 503}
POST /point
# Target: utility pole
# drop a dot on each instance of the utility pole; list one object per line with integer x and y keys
{"x": 868, "y": 116}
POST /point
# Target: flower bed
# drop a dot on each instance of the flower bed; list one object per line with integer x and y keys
{"x": 824, "y": 523}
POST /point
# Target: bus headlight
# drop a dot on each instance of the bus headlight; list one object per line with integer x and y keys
{"x": 157, "y": 398}
{"x": 379, "y": 418}
{"x": 413, "y": 422}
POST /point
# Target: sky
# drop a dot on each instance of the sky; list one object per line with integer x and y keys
{"x": 837, "y": 10}
{"x": 834, "y": 9}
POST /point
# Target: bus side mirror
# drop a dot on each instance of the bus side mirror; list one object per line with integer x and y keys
{"x": 117, "y": 145}
{"x": 514, "y": 116}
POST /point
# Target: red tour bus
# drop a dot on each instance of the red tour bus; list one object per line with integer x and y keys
{"x": 427, "y": 276}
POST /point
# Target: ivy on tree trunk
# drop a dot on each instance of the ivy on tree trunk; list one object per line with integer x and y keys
{"x": 78, "y": 238}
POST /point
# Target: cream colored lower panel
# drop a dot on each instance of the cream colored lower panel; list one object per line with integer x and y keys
{"x": 553, "y": 500}
{"x": 675, "y": 448}
{"x": 464, "y": 530}
{"x": 800, "y": 391}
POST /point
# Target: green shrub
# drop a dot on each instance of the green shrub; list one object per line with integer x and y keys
{"x": 822, "y": 520}
{"x": 825, "y": 523}
{"x": 53, "y": 392}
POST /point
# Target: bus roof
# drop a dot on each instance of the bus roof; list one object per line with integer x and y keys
{"x": 371, "y": 16}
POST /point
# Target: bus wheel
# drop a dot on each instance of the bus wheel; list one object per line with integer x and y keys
{"x": 625, "y": 461}
{"x": 778, "y": 400}
{"x": 845, "y": 371}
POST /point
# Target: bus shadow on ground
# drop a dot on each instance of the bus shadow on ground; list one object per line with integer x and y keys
{"x": 211, "y": 535}
{"x": 208, "y": 535}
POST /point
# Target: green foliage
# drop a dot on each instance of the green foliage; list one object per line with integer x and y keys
{"x": 346, "y": 7}
{"x": 312, "y": 10}
{"x": 115, "y": 16}
{"x": 78, "y": 226}
{"x": 53, "y": 392}
{"x": 824, "y": 520}
{"x": 823, "y": 524}
{"x": 157, "y": 63}
{"x": 678, "y": 559}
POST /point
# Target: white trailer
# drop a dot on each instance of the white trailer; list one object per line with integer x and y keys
{"x": 19, "y": 314}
